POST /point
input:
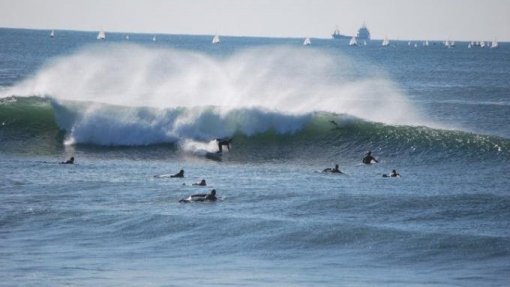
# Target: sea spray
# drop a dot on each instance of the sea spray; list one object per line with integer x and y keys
{"x": 283, "y": 79}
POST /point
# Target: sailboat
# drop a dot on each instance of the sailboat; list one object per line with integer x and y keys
{"x": 52, "y": 34}
{"x": 482, "y": 44}
{"x": 154, "y": 39}
{"x": 127, "y": 37}
{"x": 364, "y": 42}
{"x": 426, "y": 43}
{"x": 307, "y": 42}
{"x": 353, "y": 42}
{"x": 494, "y": 44}
{"x": 216, "y": 39}
{"x": 385, "y": 42}
{"x": 101, "y": 35}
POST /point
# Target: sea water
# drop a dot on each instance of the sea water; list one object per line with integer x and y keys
{"x": 129, "y": 110}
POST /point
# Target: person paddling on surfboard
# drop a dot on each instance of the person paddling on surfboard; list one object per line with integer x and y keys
{"x": 210, "y": 196}
{"x": 332, "y": 170}
{"x": 224, "y": 142}
{"x": 369, "y": 158}
{"x": 69, "y": 161}
{"x": 179, "y": 174}
{"x": 201, "y": 183}
{"x": 393, "y": 173}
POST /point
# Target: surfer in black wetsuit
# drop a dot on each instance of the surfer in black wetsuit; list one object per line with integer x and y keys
{"x": 224, "y": 142}
{"x": 179, "y": 174}
{"x": 211, "y": 196}
{"x": 333, "y": 170}
{"x": 369, "y": 158}
{"x": 201, "y": 183}
{"x": 69, "y": 161}
{"x": 393, "y": 173}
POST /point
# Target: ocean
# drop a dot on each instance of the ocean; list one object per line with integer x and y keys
{"x": 134, "y": 111}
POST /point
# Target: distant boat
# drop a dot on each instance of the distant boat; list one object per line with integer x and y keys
{"x": 127, "y": 37}
{"x": 426, "y": 43}
{"x": 216, "y": 39}
{"x": 482, "y": 44}
{"x": 52, "y": 34}
{"x": 307, "y": 42}
{"x": 409, "y": 43}
{"x": 336, "y": 35}
{"x": 363, "y": 33}
{"x": 364, "y": 42}
{"x": 385, "y": 42}
{"x": 101, "y": 35}
{"x": 494, "y": 44}
{"x": 416, "y": 45}
{"x": 469, "y": 46}
{"x": 353, "y": 42}
{"x": 154, "y": 39}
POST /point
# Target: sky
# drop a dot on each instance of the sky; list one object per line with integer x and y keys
{"x": 396, "y": 19}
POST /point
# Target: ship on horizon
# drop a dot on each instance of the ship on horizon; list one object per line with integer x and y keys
{"x": 363, "y": 33}
{"x": 337, "y": 35}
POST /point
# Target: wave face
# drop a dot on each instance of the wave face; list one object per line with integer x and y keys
{"x": 310, "y": 135}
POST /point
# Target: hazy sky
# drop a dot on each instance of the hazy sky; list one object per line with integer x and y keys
{"x": 398, "y": 19}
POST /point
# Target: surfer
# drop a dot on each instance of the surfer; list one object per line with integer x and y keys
{"x": 332, "y": 170}
{"x": 210, "y": 196}
{"x": 224, "y": 142}
{"x": 201, "y": 183}
{"x": 179, "y": 174}
{"x": 69, "y": 161}
{"x": 393, "y": 173}
{"x": 369, "y": 158}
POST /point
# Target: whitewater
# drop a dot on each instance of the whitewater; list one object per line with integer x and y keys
{"x": 132, "y": 112}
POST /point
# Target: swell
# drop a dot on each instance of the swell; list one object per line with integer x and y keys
{"x": 34, "y": 122}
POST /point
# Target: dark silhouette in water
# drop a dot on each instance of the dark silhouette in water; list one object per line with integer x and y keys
{"x": 332, "y": 170}
{"x": 210, "y": 196}
{"x": 201, "y": 183}
{"x": 69, "y": 161}
{"x": 369, "y": 158}
{"x": 224, "y": 142}
{"x": 179, "y": 174}
{"x": 393, "y": 173}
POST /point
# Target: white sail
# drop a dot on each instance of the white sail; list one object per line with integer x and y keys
{"x": 101, "y": 35}
{"x": 469, "y": 46}
{"x": 416, "y": 45}
{"x": 52, "y": 34}
{"x": 426, "y": 43}
{"x": 482, "y": 44}
{"x": 409, "y": 43}
{"x": 216, "y": 39}
{"x": 127, "y": 37}
{"x": 494, "y": 44}
{"x": 385, "y": 42}
{"x": 353, "y": 42}
{"x": 364, "y": 43}
{"x": 154, "y": 39}
{"x": 307, "y": 42}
